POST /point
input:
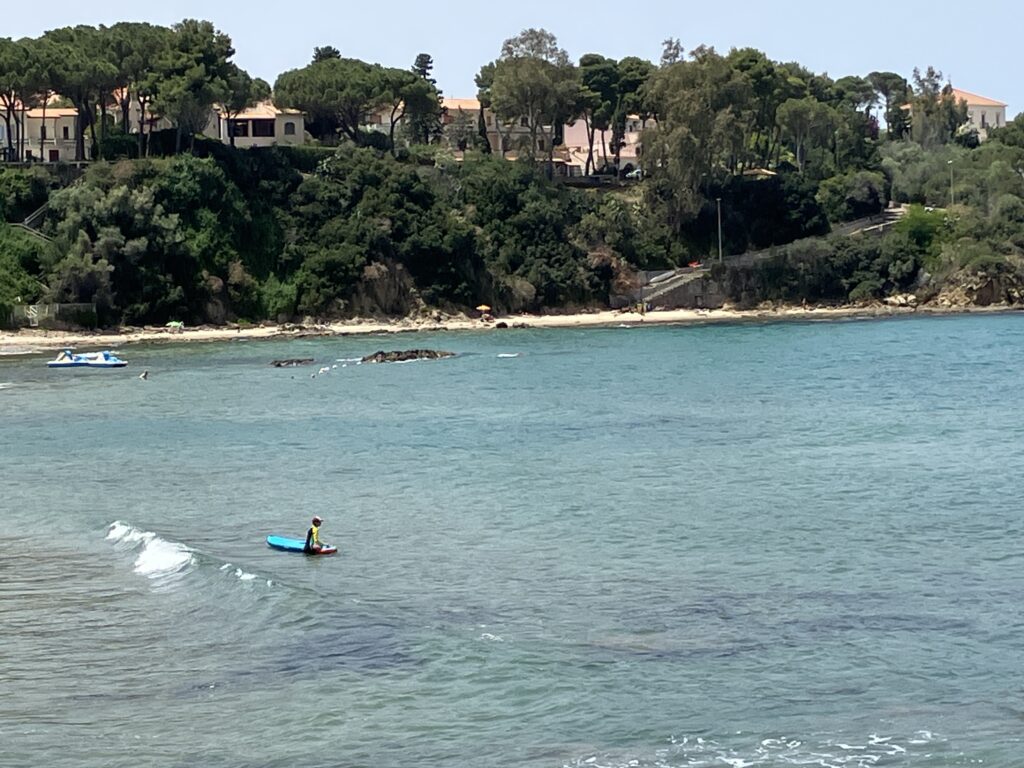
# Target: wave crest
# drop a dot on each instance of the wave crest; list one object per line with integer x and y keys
{"x": 156, "y": 558}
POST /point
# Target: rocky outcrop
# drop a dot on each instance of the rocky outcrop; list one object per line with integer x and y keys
{"x": 981, "y": 289}
{"x": 292, "y": 363}
{"x": 901, "y": 301}
{"x": 387, "y": 289}
{"x": 406, "y": 356}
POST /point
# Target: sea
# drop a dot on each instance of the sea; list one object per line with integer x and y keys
{"x": 789, "y": 544}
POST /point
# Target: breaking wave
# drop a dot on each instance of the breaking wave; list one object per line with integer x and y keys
{"x": 162, "y": 560}
{"x": 155, "y": 558}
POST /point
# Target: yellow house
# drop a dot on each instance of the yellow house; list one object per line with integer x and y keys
{"x": 50, "y": 135}
{"x": 263, "y": 125}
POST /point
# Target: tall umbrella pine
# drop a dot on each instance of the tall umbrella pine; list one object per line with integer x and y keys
{"x": 192, "y": 75}
{"x": 81, "y": 75}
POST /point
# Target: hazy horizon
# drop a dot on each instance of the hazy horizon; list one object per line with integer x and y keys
{"x": 462, "y": 36}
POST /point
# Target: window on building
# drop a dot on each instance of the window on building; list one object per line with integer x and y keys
{"x": 490, "y": 121}
{"x": 289, "y": 129}
{"x": 999, "y": 119}
{"x": 239, "y": 128}
{"x": 540, "y": 145}
{"x": 66, "y": 133}
{"x": 524, "y": 122}
{"x": 984, "y": 120}
{"x": 263, "y": 128}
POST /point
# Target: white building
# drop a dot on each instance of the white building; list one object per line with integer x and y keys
{"x": 982, "y": 113}
{"x": 262, "y": 125}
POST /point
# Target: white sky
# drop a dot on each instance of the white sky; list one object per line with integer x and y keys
{"x": 973, "y": 44}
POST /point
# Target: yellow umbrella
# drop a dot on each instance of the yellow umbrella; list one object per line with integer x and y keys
{"x": 483, "y": 308}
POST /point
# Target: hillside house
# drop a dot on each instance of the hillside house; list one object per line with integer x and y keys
{"x": 983, "y": 113}
{"x": 49, "y": 135}
{"x": 577, "y": 145}
{"x": 262, "y": 125}
{"x": 460, "y": 120}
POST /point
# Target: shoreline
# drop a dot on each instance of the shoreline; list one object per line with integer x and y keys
{"x": 27, "y": 341}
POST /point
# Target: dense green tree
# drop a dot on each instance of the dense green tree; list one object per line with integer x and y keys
{"x": 325, "y": 52}
{"x": 671, "y": 52}
{"x": 634, "y": 74}
{"x": 535, "y": 82}
{"x": 808, "y": 124}
{"x": 935, "y": 113}
{"x": 13, "y": 76}
{"x": 853, "y": 195}
{"x": 407, "y": 95}
{"x": 333, "y": 92}
{"x": 19, "y": 258}
{"x": 81, "y": 73}
{"x": 600, "y": 100}
{"x": 701, "y": 106}
{"x": 192, "y": 76}
{"x": 894, "y": 92}
{"x": 423, "y": 105}
{"x": 1012, "y": 134}
{"x": 123, "y": 252}
{"x": 770, "y": 86}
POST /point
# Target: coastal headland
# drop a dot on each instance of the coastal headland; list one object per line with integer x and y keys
{"x": 29, "y": 340}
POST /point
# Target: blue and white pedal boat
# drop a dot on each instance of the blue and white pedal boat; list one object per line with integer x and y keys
{"x": 105, "y": 359}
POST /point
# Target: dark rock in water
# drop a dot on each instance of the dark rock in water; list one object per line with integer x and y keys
{"x": 293, "y": 363}
{"x": 405, "y": 356}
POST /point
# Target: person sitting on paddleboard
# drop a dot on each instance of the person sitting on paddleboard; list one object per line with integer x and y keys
{"x": 313, "y": 544}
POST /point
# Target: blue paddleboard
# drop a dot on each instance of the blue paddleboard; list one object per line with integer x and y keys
{"x": 296, "y": 545}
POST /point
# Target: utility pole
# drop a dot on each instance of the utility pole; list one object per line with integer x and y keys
{"x": 952, "y": 194}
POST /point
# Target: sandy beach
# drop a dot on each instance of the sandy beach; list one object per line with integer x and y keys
{"x": 28, "y": 340}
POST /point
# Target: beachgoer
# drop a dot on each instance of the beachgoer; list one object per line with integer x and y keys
{"x": 144, "y": 375}
{"x": 313, "y": 544}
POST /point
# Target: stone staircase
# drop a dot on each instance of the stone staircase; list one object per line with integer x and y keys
{"x": 692, "y": 286}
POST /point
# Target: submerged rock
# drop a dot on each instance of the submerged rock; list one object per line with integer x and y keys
{"x": 406, "y": 355}
{"x": 292, "y": 363}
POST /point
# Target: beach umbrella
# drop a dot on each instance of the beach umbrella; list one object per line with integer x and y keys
{"x": 483, "y": 308}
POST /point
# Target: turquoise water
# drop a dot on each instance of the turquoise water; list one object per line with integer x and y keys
{"x": 751, "y": 545}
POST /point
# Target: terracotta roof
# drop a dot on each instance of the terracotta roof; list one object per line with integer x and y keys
{"x": 466, "y": 105}
{"x": 975, "y": 100}
{"x": 265, "y": 110}
{"x": 52, "y": 112}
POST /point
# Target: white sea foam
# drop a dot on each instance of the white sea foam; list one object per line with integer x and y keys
{"x": 6, "y": 385}
{"x": 509, "y": 355}
{"x": 710, "y": 753}
{"x": 155, "y": 558}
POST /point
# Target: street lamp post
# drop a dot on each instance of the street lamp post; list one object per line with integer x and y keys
{"x": 952, "y": 194}
{"x": 718, "y": 202}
